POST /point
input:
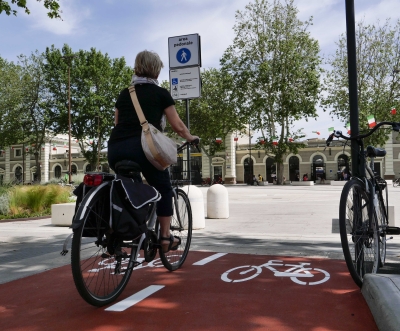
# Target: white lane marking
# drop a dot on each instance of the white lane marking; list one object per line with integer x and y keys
{"x": 209, "y": 259}
{"x": 134, "y": 299}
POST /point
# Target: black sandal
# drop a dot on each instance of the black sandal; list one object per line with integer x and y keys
{"x": 171, "y": 242}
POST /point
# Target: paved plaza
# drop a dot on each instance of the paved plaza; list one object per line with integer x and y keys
{"x": 269, "y": 220}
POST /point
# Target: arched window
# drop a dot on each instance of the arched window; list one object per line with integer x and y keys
{"x": 270, "y": 167}
{"x": 74, "y": 170}
{"x": 57, "y": 172}
{"x": 294, "y": 168}
{"x": 18, "y": 174}
{"x": 318, "y": 168}
{"x": 248, "y": 170}
{"x": 88, "y": 168}
{"x": 343, "y": 163}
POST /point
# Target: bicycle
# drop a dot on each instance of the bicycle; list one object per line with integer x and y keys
{"x": 101, "y": 266}
{"x": 396, "y": 182}
{"x": 295, "y": 272}
{"x": 363, "y": 211}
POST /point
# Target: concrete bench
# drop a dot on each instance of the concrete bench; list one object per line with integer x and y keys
{"x": 262, "y": 183}
{"x": 303, "y": 183}
{"x": 62, "y": 214}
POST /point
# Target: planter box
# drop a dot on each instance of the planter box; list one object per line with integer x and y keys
{"x": 62, "y": 214}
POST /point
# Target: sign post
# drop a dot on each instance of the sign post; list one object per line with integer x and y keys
{"x": 184, "y": 74}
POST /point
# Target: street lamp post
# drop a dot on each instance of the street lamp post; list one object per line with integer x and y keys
{"x": 250, "y": 161}
{"x": 69, "y": 59}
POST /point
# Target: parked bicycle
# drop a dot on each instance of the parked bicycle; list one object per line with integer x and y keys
{"x": 101, "y": 263}
{"x": 396, "y": 182}
{"x": 363, "y": 211}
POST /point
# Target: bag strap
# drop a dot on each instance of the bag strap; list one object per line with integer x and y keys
{"x": 145, "y": 127}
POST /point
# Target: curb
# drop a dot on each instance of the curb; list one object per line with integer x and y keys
{"x": 24, "y": 219}
{"x": 382, "y": 294}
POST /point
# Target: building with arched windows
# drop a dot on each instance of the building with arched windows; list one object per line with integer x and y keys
{"x": 237, "y": 164}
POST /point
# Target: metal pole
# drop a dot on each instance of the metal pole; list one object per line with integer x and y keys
{"x": 69, "y": 124}
{"x": 188, "y": 147}
{"x": 98, "y": 144}
{"x": 250, "y": 161}
{"x": 353, "y": 99}
{"x": 23, "y": 156}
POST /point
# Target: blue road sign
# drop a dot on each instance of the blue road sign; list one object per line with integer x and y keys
{"x": 174, "y": 81}
{"x": 183, "y": 55}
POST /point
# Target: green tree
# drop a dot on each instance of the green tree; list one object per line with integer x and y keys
{"x": 28, "y": 118}
{"x": 214, "y": 114}
{"x": 52, "y": 6}
{"x": 378, "y": 77}
{"x": 10, "y": 100}
{"x": 95, "y": 83}
{"x": 275, "y": 66}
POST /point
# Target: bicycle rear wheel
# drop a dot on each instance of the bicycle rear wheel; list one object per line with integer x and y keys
{"x": 181, "y": 226}
{"x": 101, "y": 264}
{"x": 358, "y": 235}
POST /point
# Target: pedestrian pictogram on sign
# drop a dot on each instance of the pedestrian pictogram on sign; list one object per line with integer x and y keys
{"x": 183, "y": 55}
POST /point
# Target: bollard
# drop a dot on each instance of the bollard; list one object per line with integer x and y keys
{"x": 197, "y": 203}
{"x": 217, "y": 202}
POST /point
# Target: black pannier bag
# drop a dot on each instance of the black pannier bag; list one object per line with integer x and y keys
{"x": 130, "y": 204}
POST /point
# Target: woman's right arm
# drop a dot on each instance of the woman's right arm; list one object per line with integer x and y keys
{"x": 177, "y": 125}
{"x": 116, "y": 117}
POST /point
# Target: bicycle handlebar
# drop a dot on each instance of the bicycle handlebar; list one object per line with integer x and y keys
{"x": 192, "y": 143}
{"x": 338, "y": 134}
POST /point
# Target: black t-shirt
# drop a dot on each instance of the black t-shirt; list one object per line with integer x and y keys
{"x": 153, "y": 100}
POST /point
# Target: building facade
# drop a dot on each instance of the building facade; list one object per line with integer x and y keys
{"x": 236, "y": 164}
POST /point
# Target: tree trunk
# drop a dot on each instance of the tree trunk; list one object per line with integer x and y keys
{"x": 280, "y": 167}
{"x": 38, "y": 170}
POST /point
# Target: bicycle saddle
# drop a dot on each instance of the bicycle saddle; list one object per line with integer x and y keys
{"x": 127, "y": 168}
{"x": 374, "y": 152}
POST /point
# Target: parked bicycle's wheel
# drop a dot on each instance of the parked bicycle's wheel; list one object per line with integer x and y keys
{"x": 101, "y": 264}
{"x": 382, "y": 221}
{"x": 181, "y": 226}
{"x": 358, "y": 235}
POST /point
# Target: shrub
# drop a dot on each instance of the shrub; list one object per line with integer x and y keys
{"x": 36, "y": 199}
{"x": 4, "y": 204}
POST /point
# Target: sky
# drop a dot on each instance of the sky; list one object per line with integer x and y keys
{"x": 122, "y": 28}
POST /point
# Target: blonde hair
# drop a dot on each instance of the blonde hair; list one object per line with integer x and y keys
{"x": 148, "y": 64}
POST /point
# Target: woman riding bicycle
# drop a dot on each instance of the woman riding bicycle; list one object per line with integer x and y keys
{"x": 125, "y": 139}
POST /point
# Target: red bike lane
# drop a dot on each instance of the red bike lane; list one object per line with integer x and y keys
{"x": 211, "y": 291}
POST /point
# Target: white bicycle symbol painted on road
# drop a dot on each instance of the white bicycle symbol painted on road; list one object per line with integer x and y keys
{"x": 295, "y": 272}
{"x": 110, "y": 264}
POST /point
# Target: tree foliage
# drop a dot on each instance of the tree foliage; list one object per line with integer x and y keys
{"x": 10, "y": 99}
{"x": 26, "y": 117}
{"x": 214, "y": 114}
{"x": 275, "y": 68}
{"x": 52, "y": 6}
{"x": 378, "y": 76}
{"x": 95, "y": 83}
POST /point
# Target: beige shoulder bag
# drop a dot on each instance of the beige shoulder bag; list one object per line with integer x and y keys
{"x": 158, "y": 148}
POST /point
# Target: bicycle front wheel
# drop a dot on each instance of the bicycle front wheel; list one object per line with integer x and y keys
{"x": 382, "y": 221}
{"x": 181, "y": 226}
{"x": 358, "y": 234}
{"x": 101, "y": 264}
